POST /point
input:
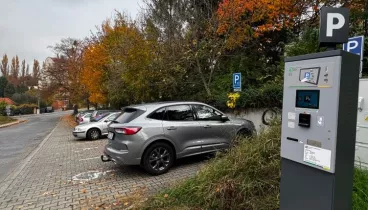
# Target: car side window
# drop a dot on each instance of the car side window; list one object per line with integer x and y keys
{"x": 179, "y": 113}
{"x": 158, "y": 114}
{"x": 206, "y": 113}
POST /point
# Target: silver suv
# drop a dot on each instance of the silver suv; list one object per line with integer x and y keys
{"x": 154, "y": 135}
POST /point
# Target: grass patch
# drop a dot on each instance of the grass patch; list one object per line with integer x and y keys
{"x": 247, "y": 177}
{"x": 360, "y": 189}
{"x": 6, "y": 120}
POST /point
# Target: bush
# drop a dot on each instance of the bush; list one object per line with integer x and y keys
{"x": 25, "y": 109}
{"x": 269, "y": 95}
{"x": 2, "y": 108}
{"x": 24, "y": 98}
{"x": 247, "y": 177}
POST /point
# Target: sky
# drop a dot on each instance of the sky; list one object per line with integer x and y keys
{"x": 28, "y": 27}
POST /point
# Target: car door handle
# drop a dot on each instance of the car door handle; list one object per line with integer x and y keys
{"x": 171, "y": 128}
{"x": 207, "y": 126}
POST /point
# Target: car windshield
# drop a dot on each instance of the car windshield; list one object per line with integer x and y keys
{"x": 87, "y": 115}
{"x": 99, "y": 117}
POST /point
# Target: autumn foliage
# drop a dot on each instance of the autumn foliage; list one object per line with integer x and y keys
{"x": 243, "y": 20}
{"x": 95, "y": 59}
{"x": 188, "y": 50}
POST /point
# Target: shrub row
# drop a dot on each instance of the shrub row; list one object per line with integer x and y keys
{"x": 23, "y": 109}
{"x": 267, "y": 96}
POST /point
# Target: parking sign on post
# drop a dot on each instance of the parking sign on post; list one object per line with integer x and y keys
{"x": 237, "y": 82}
{"x": 356, "y": 45}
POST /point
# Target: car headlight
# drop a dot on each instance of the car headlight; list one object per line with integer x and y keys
{"x": 78, "y": 129}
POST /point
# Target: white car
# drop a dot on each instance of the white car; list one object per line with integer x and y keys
{"x": 95, "y": 129}
{"x": 84, "y": 118}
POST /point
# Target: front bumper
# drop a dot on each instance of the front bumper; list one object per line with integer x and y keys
{"x": 80, "y": 134}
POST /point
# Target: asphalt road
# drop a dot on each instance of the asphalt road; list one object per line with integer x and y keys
{"x": 18, "y": 141}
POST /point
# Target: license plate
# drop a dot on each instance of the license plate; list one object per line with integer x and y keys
{"x": 110, "y": 135}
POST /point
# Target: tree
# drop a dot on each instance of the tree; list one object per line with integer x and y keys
{"x": 23, "y": 72}
{"x": 16, "y": 73}
{"x": 9, "y": 90}
{"x": 27, "y": 70}
{"x": 4, "y": 66}
{"x": 64, "y": 73}
{"x": 243, "y": 20}
{"x": 3, "y": 84}
{"x": 36, "y": 69}
{"x": 95, "y": 61}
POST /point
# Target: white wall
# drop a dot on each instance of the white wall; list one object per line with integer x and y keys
{"x": 252, "y": 114}
{"x": 361, "y": 148}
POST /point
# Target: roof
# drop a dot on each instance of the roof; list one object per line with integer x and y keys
{"x": 154, "y": 105}
{"x": 7, "y": 101}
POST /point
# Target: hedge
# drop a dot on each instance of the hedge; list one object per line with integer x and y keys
{"x": 23, "y": 109}
{"x": 267, "y": 96}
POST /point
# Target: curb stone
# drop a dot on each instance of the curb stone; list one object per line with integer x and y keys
{"x": 12, "y": 123}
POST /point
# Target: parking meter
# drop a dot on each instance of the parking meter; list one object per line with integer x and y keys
{"x": 318, "y": 130}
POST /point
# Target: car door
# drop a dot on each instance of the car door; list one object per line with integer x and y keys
{"x": 180, "y": 127}
{"x": 215, "y": 132}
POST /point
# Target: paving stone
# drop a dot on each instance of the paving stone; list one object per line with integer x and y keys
{"x": 46, "y": 182}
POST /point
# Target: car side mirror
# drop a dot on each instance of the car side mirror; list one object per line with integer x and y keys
{"x": 224, "y": 118}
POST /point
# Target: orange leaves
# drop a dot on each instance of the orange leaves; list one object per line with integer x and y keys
{"x": 94, "y": 59}
{"x": 117, "y": 63}
{"x": 242, "y": 20}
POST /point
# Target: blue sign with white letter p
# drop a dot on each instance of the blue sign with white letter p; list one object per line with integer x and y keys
{"x": 355, "y": 45}
{"x": 237, "y": 82}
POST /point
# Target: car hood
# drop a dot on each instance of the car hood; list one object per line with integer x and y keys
{"x": 237, "y": 120}
{"x": 240, "y": 121}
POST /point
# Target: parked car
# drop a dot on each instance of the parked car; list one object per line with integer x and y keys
{"x": 82, "y": 113}
{"x": 154, "y": 135}
{"x": 49, "y": 109}
{"x": 84, "y": 118}
{"x": 94, "y": 130}
{"x": 95, "y": 113}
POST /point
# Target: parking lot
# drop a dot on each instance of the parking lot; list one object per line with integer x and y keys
{"x": 66, "y": 173}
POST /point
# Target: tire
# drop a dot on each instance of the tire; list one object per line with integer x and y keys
{"x": 156, "y": 161}
{"x": 267, "y": 112}
{"x": 244, "y": 133}
{"x": 93, "y": 134}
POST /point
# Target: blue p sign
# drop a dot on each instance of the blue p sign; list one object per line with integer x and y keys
{"x": 355, "y": 45}
{"x": 237, "y": 81}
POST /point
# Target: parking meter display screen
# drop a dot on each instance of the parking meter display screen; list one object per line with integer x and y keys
{"x": 307, "y": 99}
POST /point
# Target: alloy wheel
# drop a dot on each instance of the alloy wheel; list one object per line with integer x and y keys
{"x": 159, "y": 159}
{"x": 94, "y": 134}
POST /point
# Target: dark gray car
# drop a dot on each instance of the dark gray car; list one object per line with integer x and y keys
{"x": 154, "y": 135}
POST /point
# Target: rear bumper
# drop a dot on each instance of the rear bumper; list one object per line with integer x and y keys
{"x": 121, "y": 157}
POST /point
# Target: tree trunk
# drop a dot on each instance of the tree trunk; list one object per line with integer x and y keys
{"x": 206, "y": 87}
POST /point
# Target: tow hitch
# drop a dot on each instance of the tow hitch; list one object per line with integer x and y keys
{"x": 105, "y": 158}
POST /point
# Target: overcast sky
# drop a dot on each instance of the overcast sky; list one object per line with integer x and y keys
{"x": 27, "y": 27}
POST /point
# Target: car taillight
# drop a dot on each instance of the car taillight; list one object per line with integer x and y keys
{"x": 128, "y": 130}
{"x": 80, "y": 119}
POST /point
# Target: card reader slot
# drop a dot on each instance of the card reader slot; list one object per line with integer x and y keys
{"x": 292, "y": 139}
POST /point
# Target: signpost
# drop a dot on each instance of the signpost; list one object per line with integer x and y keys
{"x": 237, "y": 82}
{"x": 356, "y": 45}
